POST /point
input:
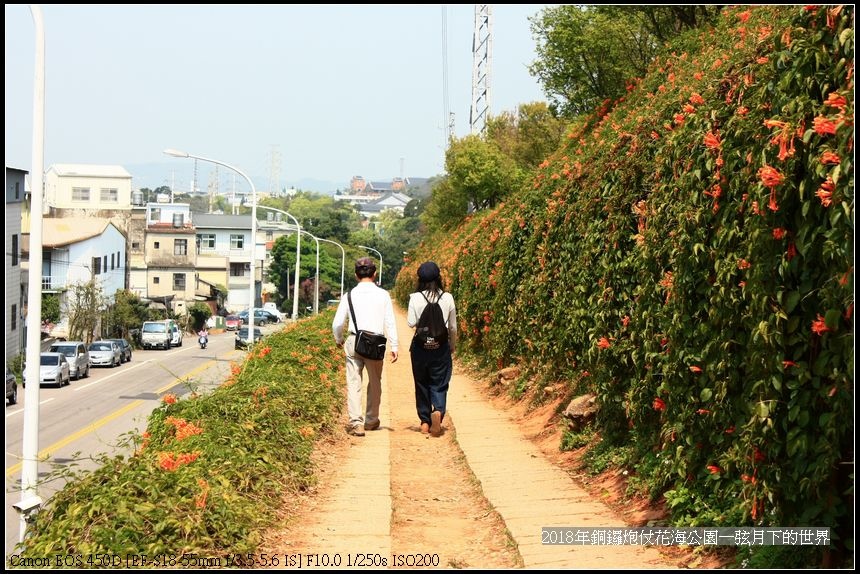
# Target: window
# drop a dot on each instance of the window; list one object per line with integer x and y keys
{"x": 14, "y": 249}
{"x": 179, "y": 281}
{"x": 157, "y": 245}
{"x": 118, "y": 263}
{"x": 109, "y": 195}
{"x": 80, "y": 194}
{"x": 237, "y": 241}
{"x": 156, "y": 280}
{"x": 13, "y": 316}
{"x": 207, "y": 241}
{"x": 180, "y": 247}
{"x": 135, "y": 245}
{"x": 105, "y": 263}
{"x": 17, "y": 190}
{"x": 112, "y": 261}
{"x": 269, "y": 236}
{"x": 97, "y": 265}
{"x": 155, "y": 214}
{"x": 237, "y": 270}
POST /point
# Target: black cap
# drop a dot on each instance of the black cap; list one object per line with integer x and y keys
{"x": 428, "y": 271}
{"x": 365, "y": 264}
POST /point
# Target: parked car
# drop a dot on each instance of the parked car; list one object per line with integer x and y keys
{"x": 273, "y": 309}
{"x": 175, "y": 335}
{"x": 232, "y": 322}
{"x": 53, "y": 369}
{"x": 124, "y": 349}
{"x": 105, "y": 353}
{"x": 11, "y": 387}
{"x": 243, "y": 340}
{"x": 155, "y": 334}
{"x": 261, "y": 317}
{"x": 76, "y": 354}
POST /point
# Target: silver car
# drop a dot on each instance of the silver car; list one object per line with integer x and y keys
{"x": 77, "y": 356}
{"x": 53, "y": 370}
{"x": 105, "y": 353}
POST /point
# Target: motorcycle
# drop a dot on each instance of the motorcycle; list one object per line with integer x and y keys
{"x": 203, "y": 340}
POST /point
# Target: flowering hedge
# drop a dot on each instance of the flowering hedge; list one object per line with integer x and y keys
{"x": 687, "y": 255}
{"x": 210, "y": 471}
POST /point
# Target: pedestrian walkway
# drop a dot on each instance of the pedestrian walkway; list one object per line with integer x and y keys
{"x": 526, "y": 490}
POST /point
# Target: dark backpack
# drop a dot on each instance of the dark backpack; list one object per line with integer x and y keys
{"x": 431, "y": 331}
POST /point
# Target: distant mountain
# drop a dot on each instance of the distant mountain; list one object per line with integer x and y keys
{"x": 154, "y": 175}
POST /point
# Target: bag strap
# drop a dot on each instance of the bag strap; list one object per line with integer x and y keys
{"x": 436, "y": 300}
{"x": 351, "y": 310}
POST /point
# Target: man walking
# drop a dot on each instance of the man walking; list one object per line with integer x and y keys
{"x": 373, "y": 312}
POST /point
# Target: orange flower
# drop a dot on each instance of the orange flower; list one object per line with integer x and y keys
{"x": 169, "y": 399}
{"x": 712, "y": 141}
{"x": 787, "y": 364}
{"x": 743, "y": 264}
{"x": 604, "y": 343}
{"x": 714, "y": 469}
{"x": 819, "y": 327}
{"x": 200, "y": 499}
{"x": 762, "y": 60}
{"x": 770, "y": 177}
{"x": 702, "y": 411}
{"x": 778, "y": 233}
{"x": 834, "y": 100}
{"x": 695, "y": 369}
{"x": 658, "y": 404}
{"x": 791, "y": 251}
{"x": 830, "y": 158}
{"x": 823, "y": 126}
{"x": 825, "y": 192}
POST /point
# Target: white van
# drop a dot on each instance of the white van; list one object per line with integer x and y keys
{"x": 157, "y": 334}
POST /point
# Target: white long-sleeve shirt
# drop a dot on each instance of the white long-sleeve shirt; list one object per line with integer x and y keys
{"x": 373, "y": 312}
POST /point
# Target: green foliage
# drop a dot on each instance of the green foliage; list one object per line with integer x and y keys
{"x": 210, "y": 471}
{"x": 687, "y": 255}
{"x": 199, "y": 312}
{"x": 589, "y": 55}
{"x": 528, "y": 136}
{"x": 127, "y": 312}
{"x": 573, "y": 440}
{"x": 50, "y": 307}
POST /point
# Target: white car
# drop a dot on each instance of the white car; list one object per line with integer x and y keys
{"x": 53, "y": 370}
{"x": 105, "y": 354}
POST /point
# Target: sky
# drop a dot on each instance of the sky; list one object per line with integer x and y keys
{"x": 301, "y": 92}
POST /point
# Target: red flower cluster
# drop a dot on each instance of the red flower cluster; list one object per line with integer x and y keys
{"x": 169, "y": 461}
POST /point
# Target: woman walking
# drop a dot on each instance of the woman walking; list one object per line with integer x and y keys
{"x": 434, "y": 315}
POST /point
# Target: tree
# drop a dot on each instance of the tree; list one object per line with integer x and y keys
{"x": 446, "y": 207}
{"x": 126, "y": 314}
{"x": 588, "y": 54}
{"x": 528, "y": 136}
{"x": 50, "y": 308}
{"x": 480, "y": 172}
{"x": 85, "y": 304}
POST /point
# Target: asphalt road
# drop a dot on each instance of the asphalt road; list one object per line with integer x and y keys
{"x": 89, "y": 416}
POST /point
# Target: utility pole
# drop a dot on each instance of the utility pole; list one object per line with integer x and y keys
{"x": 482, "y": 53}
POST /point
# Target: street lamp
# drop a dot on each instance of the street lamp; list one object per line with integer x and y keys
{"x": 379, "y": 280}
{"x": 30, "y": 500}
{"x": 298, "y": 258}
{"x": 342, "y": 261}
{"x": 177, "y": 153}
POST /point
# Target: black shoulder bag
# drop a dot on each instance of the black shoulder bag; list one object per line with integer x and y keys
{"x": 368, "y": 345}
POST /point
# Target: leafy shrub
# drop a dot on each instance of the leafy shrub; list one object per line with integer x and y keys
{"x": 687, "y": 255}
{"x": 209, "y": 472}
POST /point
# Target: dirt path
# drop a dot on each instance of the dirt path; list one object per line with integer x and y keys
{"x": 476, "y": 497}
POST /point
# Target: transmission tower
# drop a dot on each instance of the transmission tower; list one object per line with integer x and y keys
{"x": 214, "y": 183}
{"x": 482, "y": 53}
{"x": 275, "y": 172}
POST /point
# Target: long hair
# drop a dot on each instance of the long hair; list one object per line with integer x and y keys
{"x": 434, "y": 286}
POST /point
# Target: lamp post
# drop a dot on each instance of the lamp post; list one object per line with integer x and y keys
{"x": 379, "y": 280}
{"x": 30, "y": 500}
{"x": 342, "y": 262}
{"x": 298, "y": 259}
{"x": 252, "y": 286}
